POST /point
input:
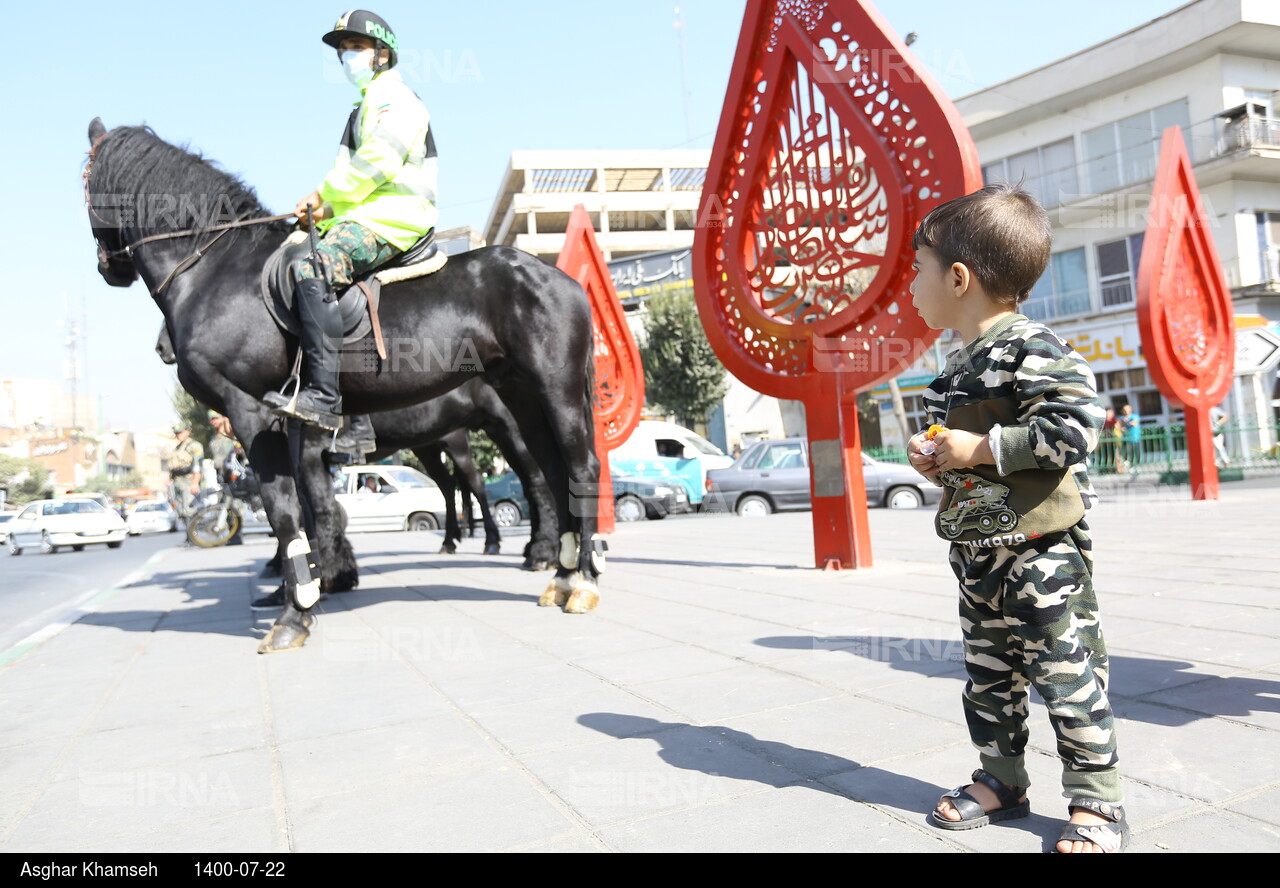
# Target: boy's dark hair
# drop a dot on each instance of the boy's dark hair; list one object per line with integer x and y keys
{"x": 1000, "y": 233}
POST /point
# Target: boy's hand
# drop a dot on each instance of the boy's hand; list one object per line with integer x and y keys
{"x": 961, "y": 450}
{"x": 922, "y": 462}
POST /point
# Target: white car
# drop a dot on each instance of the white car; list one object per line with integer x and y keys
{"x": 5, "y": 518}
{"x": 52, "y": 524}
{"x": 389, "y": 498}
{"x": 151, "y": 516}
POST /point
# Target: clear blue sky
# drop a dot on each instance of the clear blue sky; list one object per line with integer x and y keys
{"x": 251, "y": 86}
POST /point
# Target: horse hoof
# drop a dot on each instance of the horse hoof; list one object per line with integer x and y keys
{"x": 283, "y": 637}
{"x": 308, "y": 619}
{"x": 495, "y": 549}
{"x": 448, "y": 549}
{"x": 556, "y": 593}
{"x": 583, "y": 600}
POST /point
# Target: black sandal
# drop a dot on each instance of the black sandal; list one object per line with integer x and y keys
{"x": 972, "y": 816}
{"x": 1110, "y": 837}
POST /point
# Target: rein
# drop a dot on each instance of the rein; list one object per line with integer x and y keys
{"x": 191, "y": 260}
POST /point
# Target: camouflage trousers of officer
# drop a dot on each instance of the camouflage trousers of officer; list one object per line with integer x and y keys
{"x": 346, "y": 251}
{"x": 1029, "y": 616}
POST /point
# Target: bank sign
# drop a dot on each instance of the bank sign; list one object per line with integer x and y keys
{"x": 640, "y": 277}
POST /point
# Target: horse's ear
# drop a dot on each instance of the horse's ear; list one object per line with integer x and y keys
{"x": 96, "y": 130}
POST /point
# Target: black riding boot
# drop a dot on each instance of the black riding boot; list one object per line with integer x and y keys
{"x": 356, "y": 437}
{"x": 319, "y": 402}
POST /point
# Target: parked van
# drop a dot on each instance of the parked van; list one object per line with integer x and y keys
{"x": 665, "y": 451}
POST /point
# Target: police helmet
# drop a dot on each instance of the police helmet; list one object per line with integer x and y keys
{"x": 363, "y": 23}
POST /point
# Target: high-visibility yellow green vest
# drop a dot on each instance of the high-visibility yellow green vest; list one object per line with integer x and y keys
{"x": 385, "y": 174}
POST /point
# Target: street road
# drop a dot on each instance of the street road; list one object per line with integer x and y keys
{"x": 38, "y": 589}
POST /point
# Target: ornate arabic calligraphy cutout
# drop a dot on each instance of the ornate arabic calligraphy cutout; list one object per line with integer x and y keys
{"x": 832, "y": 145}
{"x": 1184, "y": 307}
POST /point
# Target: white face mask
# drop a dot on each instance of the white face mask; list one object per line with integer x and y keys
{"x": 358, "y": 66}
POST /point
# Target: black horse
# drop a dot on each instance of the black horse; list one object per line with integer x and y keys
{"x": 439, "y": 426}
{"x": 524, "y": 326}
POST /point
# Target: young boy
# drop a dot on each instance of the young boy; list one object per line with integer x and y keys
{"x": 1021, "y": 414}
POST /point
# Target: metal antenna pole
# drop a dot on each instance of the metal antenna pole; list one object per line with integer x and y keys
{"x": 684, "y": 76}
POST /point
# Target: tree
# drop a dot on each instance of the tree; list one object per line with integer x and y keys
{"x": 681, "y": 372}
{"x": 24, "y": 479}
{"x": 192, "y": 411}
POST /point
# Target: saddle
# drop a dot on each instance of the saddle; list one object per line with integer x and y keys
{"x": 358, "y": 303}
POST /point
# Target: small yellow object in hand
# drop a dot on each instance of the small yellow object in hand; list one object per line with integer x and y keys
{"x": 928, "y": 447}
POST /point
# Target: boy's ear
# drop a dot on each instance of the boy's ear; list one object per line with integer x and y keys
{"x": 959, "y": 277}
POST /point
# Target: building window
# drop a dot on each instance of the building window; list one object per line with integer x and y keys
{"x": 1269, "y": 246}
{"x": 1062, "y": 290}
{"x": 1118, "y": 270}
{"x": 1126, "y": 151}
{"x": 1048, "y": 172}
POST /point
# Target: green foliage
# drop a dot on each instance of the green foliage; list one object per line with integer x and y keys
{"x": 483, "y": 451}
{"x": 407, "y": 458}
{"x": 682, "y": 374}
{"x": 189, "y": 409}
{"x": 25, "y": 479}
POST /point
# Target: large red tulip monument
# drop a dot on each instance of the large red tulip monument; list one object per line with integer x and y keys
{"x": 1184, "y": 308}
{"x": 619, "y": 377}
{"x": 833, "y": 144}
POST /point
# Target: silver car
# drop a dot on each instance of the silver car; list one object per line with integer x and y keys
{"x": 773, "y": 476}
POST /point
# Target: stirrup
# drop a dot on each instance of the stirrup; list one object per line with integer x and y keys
{"x": 281, "y": 401}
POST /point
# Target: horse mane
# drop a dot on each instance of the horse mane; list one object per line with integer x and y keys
{"x": 169, "y": 188}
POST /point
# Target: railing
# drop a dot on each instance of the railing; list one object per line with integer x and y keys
{"x": 1161, "y": 449}
{"x": 1089, "y": 178}
{"x": 1164, "y": 449}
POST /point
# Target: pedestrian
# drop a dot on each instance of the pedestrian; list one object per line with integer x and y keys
{"x": 1131, "y": 434}
{"x": 1218, "y": 424}
{"x": 1021, "y": 414}
{"x": 377, "y": 201}
{"x": 184, "y": 468}
{"x": 1108, "y": 452}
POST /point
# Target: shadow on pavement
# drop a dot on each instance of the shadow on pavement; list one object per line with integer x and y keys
{"x": 718, "y": 751}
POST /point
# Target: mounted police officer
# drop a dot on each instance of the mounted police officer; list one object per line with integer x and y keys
{"x": 377, "y": 201}
{"x": 184, "y": 468}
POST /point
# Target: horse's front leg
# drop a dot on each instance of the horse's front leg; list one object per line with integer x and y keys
{"x": 267, "y": 448}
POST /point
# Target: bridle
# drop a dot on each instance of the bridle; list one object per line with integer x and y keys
{"x": 105, "y": 255}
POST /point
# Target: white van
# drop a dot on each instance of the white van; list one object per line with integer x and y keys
{"x": 666, "y": 451}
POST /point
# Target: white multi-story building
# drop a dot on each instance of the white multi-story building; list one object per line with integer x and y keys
{"x": 643, "y": 205}
{"x": 1083, "y": 133}
{"x": 640, "y": 201}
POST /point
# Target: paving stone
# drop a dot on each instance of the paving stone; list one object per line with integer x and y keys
{"x": 334, "y": 763}
{"x": 805, "y": 818}
{"x": 476, "y": 811}
{"x": 106, "y": 801}
{"x": 730, "y": 692}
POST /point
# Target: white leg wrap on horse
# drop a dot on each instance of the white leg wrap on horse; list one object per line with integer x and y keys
{"x": 598, "y": 547}
{"x": 307, "y": 589}
{"x": 569, "y": 550}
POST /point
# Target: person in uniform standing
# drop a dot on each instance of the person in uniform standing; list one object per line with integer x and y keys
{"x": 184, "y": 469}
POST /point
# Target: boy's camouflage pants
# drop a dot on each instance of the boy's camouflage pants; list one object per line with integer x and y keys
{"x": 347, "y": 250}
{"x": 1029, "y": 615}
